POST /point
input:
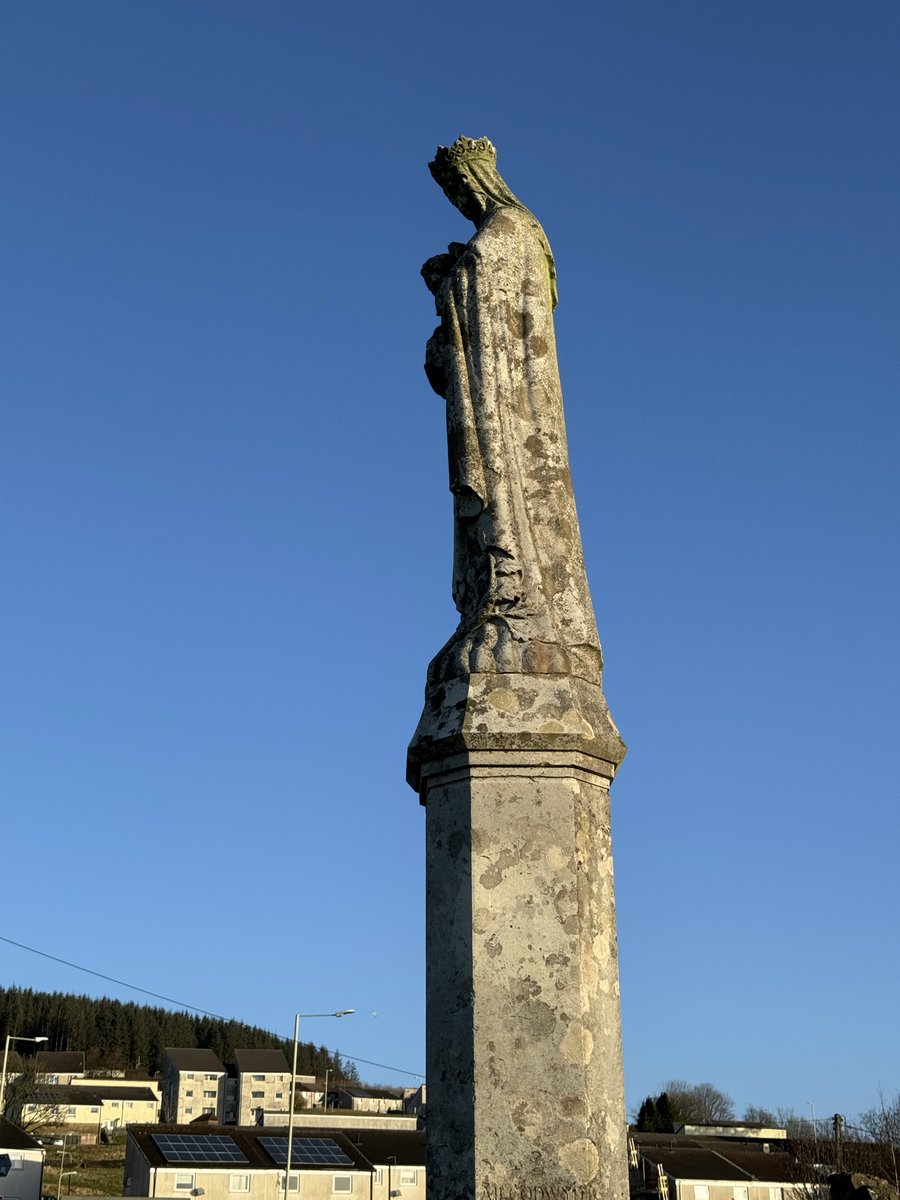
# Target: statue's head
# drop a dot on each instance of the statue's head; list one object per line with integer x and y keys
{"x": 467, "y": 174}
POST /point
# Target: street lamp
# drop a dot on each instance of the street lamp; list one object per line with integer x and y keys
{"x": 12, "y": 1038}
{"x": 341, "y": 1012}
{"x": 62, "y": 1174}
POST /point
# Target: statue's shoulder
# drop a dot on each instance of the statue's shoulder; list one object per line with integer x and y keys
{"x": 509, "y": 219}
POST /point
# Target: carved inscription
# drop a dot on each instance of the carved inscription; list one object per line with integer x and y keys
{"x": 539, "y": 1191}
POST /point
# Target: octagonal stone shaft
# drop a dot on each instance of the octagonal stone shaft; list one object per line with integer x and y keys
{"x": 526, "y": 1098}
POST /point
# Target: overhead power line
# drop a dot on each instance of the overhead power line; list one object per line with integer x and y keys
{"x": 133, "y": 987}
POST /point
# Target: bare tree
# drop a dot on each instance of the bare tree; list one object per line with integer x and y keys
{"x": 23, "y": 1103}
{"x": 698, "y": 1103}
{"x": 882, "y": 1123}
{"x": 755, "y": 1115}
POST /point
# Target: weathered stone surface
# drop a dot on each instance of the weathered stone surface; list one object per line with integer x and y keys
{"x": 515, "y": 749}
{"x": 518, "y": 575}
{"x": 507, "y": 711}
{"x": 525, "y": 1083}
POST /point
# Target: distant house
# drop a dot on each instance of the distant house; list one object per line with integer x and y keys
{"x": 734, "y": 1129}
{"x": 262, "y": 1083}
{"x": 372, "y": 1100}
{"x": 218, "y": 1162}
{"x": 309, "y": 1093}
{"x": 730, "y": 1167}
{"x": 88, "y": 1111}
{"x": 415, "y": 1102}
{"x": 193, "y": 1085}
{"x": 398, "y": 1161}
{"x": 59, "y": 1066}
{"x": 24, "y": 1178}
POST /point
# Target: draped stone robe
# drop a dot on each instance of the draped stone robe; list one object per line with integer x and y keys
{"x": 519, "y": 580}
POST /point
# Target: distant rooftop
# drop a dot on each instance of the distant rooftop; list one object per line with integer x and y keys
{"x": 191, "y": 1058}
{"x": 262, "y": 1062}
{"x": 14, "y": 1138}
{"x": 366, "y": 1093}
{"x": 59, "y": 1062}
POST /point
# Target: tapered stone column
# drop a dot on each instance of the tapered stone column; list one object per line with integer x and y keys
{"x": 515, "y": 749}
{"x": 524, "y": 1062}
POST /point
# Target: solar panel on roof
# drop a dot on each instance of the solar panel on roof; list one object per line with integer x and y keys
{"x": 197, "y": 1147}
{"x": 306, "y": 1151}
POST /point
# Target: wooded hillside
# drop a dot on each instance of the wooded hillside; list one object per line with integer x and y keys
{"x": 132, "y": 1036}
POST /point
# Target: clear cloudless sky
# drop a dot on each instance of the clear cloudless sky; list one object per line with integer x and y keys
{"x": 227, "y": 530}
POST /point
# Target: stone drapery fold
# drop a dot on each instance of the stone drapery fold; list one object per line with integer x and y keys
{"x": 519, "y": 580}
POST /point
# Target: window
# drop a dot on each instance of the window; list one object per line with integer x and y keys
{"x": 701, "y": 1191}
{"x": 379, "y": 1175}
{"x": 342, "y": 1184}
{"x": 211, "y": 1095}
{"x": 95, "y": 1108}
{"x": 257, "y": 1095}
{"x": 259, "y": 1078}
{"x": 72, "y": 1110}
{"x": 294, "y": 1182}
{"x": 189, "y": 1110}
{"x": 207, "y": 1112}
{"x": 239, "y": 1183}
{"x": 189, "y": 1092}
{"x": 184, "y": 1183}
{"x": 129, "y": 1104}
{"x": 209, "y": 1077}
{"x": 409, "y": 1176}
{"x": 17, "y": 1162}
{"x": 279, "y": 1095}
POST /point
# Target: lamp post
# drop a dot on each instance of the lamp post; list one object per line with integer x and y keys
{"x": 62, "y": 1174}
{"x": 12, "y": 1038}
{"x": 341, "y": 1012}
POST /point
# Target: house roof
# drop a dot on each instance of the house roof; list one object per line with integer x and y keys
{"x": 65, "y": 1094}
{"x": 717, "y": 1158}
{"x": 364, "y": 1093}
{"x": 407, "y": 1146}
{"x": 61, "y": 1062}
{"x": 14, "y": 1138}
{"x": 194, "y": 1058}
{"x": 262, "y": 1062}
{"x": 70, "y": 1094}
{"x": 121, "y": 1093}
{"x": 248, "y": 1141}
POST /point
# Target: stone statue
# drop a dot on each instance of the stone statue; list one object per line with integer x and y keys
{"x": 518, "y": 579}
{"x": 515, "y": 749}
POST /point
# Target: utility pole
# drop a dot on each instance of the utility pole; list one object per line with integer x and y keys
{"x": 839, "y": 1141}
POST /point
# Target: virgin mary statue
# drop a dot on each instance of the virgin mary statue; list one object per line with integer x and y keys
{"x": 518, "y": 576}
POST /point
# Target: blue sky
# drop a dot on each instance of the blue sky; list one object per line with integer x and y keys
{"x": 227, "y": 531}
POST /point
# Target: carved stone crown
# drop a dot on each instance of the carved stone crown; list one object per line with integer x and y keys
{"x": 463, "y": 150}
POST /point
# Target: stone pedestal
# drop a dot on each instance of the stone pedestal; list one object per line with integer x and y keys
{"x": 524, "y": 1063}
